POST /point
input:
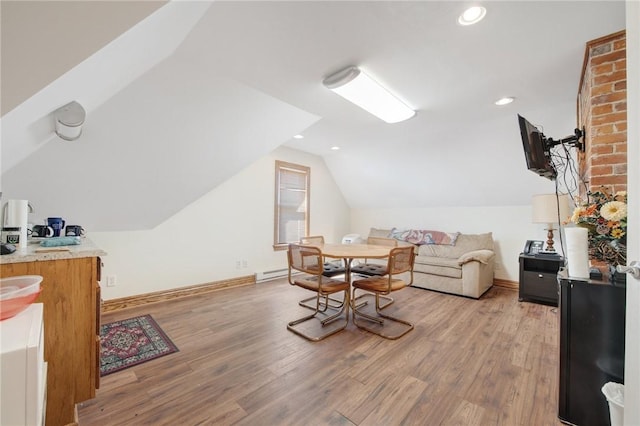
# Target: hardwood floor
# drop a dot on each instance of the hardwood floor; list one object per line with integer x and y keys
{"x": 492, "y": 361}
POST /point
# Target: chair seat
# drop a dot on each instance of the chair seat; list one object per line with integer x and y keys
{"x": 330, "y": 269}
{"x": 328, "y": 285}
{"x": 379, "y": 284}
{"x": 370, "y": 269}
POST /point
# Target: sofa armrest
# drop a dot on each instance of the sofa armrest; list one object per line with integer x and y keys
{"x": 482, "y": 256}
{"x": 477, "y": 277}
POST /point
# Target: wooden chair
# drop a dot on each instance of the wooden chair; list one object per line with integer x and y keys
{"x": 308, "y": 260}
{"x": 329, "y": 269}
{"x": 400, "y": 260}
{"x": 375, "y": 269}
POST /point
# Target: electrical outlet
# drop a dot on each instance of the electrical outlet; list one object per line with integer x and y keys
{"x": 238, "y": 264}
{"x": 245, "y": 264}
{"x": 111, "y": 280}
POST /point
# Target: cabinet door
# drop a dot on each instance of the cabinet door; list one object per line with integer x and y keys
{"x": 540, "y": 285}
{"x": 69, "y": 299}
{"x": 591, "y": 349}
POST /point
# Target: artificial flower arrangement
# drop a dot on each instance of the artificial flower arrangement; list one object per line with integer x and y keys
{"x": 605, "y": 216}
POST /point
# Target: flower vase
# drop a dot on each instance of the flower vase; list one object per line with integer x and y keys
{"x": 616, "y": 277}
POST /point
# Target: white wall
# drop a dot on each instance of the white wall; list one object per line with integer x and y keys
{"x": 233, "y": 222}
{"x": 511, "y": 227}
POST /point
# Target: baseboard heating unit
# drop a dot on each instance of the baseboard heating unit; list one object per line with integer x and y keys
{"x": 271, "y": 275}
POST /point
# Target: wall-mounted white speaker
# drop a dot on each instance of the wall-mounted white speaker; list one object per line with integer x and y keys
{"x": 69, "y": 121}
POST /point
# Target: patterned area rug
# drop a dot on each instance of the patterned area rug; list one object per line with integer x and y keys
{"x": 131, "y": 342}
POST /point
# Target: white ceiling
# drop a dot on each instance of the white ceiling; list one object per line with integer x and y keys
{"x": 266, "y": 61}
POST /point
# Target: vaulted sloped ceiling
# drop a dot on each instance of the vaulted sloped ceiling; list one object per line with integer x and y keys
{"x": 42, "y": 40}
{"x": 176, "y": 130}
{"x": 212, "y": 87}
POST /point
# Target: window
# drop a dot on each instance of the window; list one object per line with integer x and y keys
{"x": 291, "y": 204}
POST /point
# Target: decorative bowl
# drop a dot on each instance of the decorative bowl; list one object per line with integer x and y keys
{"x": 17, "y": 293}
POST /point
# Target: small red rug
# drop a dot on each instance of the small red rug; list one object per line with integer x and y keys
{"x": 131, "y": 342}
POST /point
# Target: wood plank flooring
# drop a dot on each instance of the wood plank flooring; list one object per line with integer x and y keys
{"x": 492, "y": 361}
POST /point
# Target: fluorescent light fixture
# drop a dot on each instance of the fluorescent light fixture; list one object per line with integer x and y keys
{"x": 335, "y": 148}
{"x": 357, "y": 87}
{"x": 298, "y": 137}
{"x": 473, "y": 15}
{"x": 504, "y": 101}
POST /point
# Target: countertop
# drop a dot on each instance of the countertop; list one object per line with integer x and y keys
{"x": 86, "y": 249}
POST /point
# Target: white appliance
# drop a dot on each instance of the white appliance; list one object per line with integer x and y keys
{"x": 352, "y": 239}
{"x": 23, "y": 370}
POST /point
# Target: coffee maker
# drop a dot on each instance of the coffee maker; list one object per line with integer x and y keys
{"x": 15, "y": 217}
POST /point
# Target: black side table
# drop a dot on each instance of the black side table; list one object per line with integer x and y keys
{"x": 538, "y": 278}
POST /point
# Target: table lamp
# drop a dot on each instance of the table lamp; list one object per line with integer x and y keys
{"x": 550, "y": 209}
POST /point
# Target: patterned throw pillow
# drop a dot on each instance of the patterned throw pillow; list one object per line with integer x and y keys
{"x": 423, "y": 236}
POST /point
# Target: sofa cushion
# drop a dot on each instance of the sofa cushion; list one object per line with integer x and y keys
{"x": 442, "y": 266}
{"x": 464, "y": 244}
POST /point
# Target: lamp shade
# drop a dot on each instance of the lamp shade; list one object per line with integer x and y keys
{"x": 550, "y": 208}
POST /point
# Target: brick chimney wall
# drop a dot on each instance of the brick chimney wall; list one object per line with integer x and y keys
{"x": 602, "y": 111}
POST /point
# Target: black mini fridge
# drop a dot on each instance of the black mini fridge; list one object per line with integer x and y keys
{"x": 592, "y": 324}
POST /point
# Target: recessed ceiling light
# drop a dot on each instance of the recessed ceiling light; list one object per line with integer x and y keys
{"x": 504, "y": 101}
{"x": 335, "y": 148}
{"x": 298, "y": 137}
{"x": 472, "y": 15}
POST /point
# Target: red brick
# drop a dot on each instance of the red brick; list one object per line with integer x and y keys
{"x": 602, "y": 89}
{"x": 601, "y": 49}
{"x": 620, "y": 85}
{"x": 611, "y": 159}
{"x": 610, "y": 78}
{"x": 620, "y": 169}
{"x": 602, "y": 69}
{"x": 602, "y": 130}
{"x": 601, "y": 149}
{"x": 620, "y": 44}
{"x": 620, "y": 65}
{"x": 620, "y": 106}
{"x": 609, "y": 118}
{"x": 602, "y": 170}
{"x": 602, "y": 109}
{"x": 608, "y": 57}
{"x": 620, "y": 148}
{"x": 620, "y": 127}
{"x": 610, "y": 97}
{"x": 609, "y": 180}
{"x": 611, "y": 138}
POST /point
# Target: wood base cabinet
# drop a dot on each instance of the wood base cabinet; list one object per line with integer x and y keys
{"x": 71, "y": 298}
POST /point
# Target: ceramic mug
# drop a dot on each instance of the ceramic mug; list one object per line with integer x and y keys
{"x": 57, "y": 224}
{"x": 41, "y": 231}
{"x": 73, "y": 231}
{"x": 11, "y": 235}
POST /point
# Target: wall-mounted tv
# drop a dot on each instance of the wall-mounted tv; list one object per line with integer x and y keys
{"x": 536, "y": 151}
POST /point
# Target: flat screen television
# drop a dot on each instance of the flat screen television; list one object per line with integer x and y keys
{"x": 536, "y": 152}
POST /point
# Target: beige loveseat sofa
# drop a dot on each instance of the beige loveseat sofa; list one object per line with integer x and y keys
{"x": 464, "y": 268}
